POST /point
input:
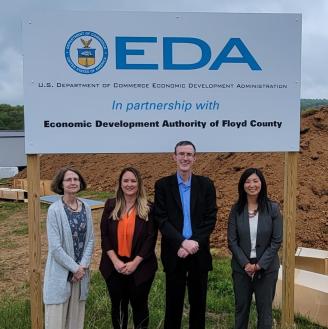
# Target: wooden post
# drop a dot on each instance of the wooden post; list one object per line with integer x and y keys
{"x": 34, "y": 232}
{"x": 290, "y": 182}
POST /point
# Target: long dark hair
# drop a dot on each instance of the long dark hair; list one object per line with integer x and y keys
{"x": 262, "y": 198}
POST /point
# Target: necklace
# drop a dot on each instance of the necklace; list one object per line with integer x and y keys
{"x": 71, "y": 208}
{"x": 253, "y": 213}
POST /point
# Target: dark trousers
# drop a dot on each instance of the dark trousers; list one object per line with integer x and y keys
{"x": 264, "y": 287}
{"x": 123, "y": 290}
{"x": 186, "y": 274}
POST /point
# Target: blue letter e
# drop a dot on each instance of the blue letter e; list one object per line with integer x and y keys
{"x": 122, "y": 52}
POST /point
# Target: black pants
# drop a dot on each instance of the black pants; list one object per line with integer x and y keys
{"x": 123, "y": 290}
{"x": 186, "y": 274}
{"x": 264, "y": 287}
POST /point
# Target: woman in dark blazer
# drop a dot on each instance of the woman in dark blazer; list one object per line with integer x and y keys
{"x": 128, "y": 262}
{"x": 254, "y": 238}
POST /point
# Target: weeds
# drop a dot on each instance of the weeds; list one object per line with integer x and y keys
{"x": 15, "y": 312}
{"x": 22, "y": 230}
{"x": 95, "y": 195}
{"x": 7, "y": 208}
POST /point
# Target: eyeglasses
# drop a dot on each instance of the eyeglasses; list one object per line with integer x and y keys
{"x": 71, "y": 180}
{"x": 185, "y": 154}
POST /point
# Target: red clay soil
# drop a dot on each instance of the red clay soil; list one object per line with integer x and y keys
{"x": 101, "y": 172}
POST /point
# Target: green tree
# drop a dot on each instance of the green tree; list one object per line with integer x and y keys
{"x": 11, "y": 117}
{"x": 307, "y": 103}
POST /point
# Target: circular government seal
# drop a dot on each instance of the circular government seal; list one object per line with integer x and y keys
{"x": 86, "y": 52}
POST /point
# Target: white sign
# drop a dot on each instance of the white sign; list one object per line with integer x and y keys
{"x": 119, "y": 82}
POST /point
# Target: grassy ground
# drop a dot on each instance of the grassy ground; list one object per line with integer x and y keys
{"x": 15, "y": 306}
{"x": 9, "y": 208}
{"x": 14, "y": 313}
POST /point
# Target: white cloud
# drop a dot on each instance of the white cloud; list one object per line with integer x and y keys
{"x": 314, "y": 67}
{"x": 11, "y": 68}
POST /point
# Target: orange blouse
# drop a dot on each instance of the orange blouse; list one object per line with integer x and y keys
{"x": 125, "y": 231}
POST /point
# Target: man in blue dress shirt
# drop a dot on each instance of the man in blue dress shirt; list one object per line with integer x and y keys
{"x": 185, "y": 210}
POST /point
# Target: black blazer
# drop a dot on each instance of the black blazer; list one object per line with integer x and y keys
{"x": 168, "y": 214}
{"x": 268, "y": 239}
{"x": 143, "y": 244}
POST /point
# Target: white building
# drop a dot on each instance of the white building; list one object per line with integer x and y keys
{"x": 12, "y": 152}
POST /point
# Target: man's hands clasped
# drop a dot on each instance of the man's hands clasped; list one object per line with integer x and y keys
{"x": 188, "y": 247}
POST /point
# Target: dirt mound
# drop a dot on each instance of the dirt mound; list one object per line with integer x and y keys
{"x": 101, "y": 172}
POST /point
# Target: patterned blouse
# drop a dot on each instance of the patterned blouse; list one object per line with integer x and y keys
{"x": 78, "y": 223}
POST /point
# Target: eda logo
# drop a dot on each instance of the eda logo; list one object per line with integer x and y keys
{"x": 168, "y": 58}
{"x": 86, "y": 52}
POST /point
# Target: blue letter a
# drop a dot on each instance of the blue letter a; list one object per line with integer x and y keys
{"x": 246, "y": 56}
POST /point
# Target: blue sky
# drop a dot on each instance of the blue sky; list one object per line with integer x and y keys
{"x": 314, "y": 36}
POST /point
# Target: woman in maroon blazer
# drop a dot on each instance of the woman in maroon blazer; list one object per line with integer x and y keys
{"x": 128, "y": 262}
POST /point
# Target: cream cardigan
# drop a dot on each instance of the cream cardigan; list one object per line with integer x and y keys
{"x": 60, "y": 261}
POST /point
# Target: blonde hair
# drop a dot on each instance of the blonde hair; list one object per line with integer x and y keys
{"x": 142, "y": 206}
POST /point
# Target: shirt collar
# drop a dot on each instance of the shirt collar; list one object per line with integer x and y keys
{"x": 180, "y": 180}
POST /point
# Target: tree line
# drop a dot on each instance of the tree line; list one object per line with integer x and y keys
{"x": 11, "y": 117}
{"x": 309, "y": 103}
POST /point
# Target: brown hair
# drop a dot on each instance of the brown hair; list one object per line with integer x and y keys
{"x": 57, "y": 182}
{"x": 141, "y": 201}
{"x": 184, "y": 143}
